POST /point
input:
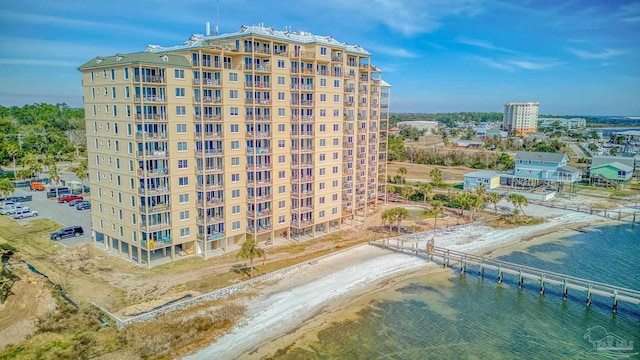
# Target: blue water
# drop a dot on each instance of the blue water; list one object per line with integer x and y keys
{"x": 467, "y": 317}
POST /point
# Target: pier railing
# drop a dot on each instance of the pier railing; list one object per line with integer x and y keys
{"x": 541, "y": 277}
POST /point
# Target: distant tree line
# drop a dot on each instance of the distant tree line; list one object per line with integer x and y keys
{"x": 41, "y": 133}
{"x": 448, "y": 119}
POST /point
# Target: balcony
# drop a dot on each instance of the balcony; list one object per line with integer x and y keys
{"x": 259, "y": 134}
{"x": 259, "y": 230}
{"x": 207, "y": 99}
{"x": 301, "y": 178}
{"x": 259, "y": 214}
{"x": 297, "y": 102}
{"x": 156, "y": 79}
{"x": 349, "y": 75}
{"x": 349, "y": 89}
{"x": 156, "y": 154}
{"x": 210, "y": 202}
{"x": 208, "y": 220}
{"x": 154, "y": 209}
{"x": 258, "y": 150}
{"x": 348, "y": 104}
{"x": 208, "y": 135}
{"x": 301, "y": 209}
{"x": 209, "y": 170}
{"x": 302, "y": 163}
{"x": 302, "y": 194}
{"x": 150, "y": 98}
{"x": 259, "y": 198}
{"x": 259, "y": 183}
{"x": 150, "y": 136}
{"x": 302, "y": 133}
{"x": 303, "y": 87}
{"x": 336, "y": 58}
{"x": 154, "y": 227}
{"x": 153, "y": 191}
{"x": 302, "y": 149}
{"x": 301, "y": 223}
{"x": 212, "y": 236}
{"x": 209, "y": 152}
{"x": 207, "y": 117}
{"x": 264, "y": 68}
{"x": 207, "y": 82}
{"x": 266, "y": 166}
{"x": 149, "y": 117}
{"x": 153, "y": 173}
{"x": 302, "y": 117}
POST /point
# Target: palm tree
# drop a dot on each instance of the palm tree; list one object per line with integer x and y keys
{"x": 518, "y": 201}
{"x": 13, "y": 150}
{"x": 82, "y": 172}
{"x": 6, "y": 188}
{"x": 401, "y": 214}
{"x": 425, "y": 189}
{"x": 54, "y": 175}
{"x": 494, "y": 198}
{"x": 437, "y": 208}
{"x": 407, "y": 191}
{"x": 476, "y": 203}
{"x": 436, "y": 177}
{"x": 30, "y": 161}
{"x": 481, "y": 190}
{"x": 249, "y": 251}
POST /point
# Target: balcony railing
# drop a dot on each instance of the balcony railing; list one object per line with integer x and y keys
{"x": 153, "y": 191}
{"x": 154, "y": 209}
{"x": 150, "y": 135}
{"x": 150, "y": 98}
{"x": 302, "y": 148}
{"x": 209, "y": 152}
{"x": 259, "y": 213}
{"x": 149, "y": 79}
{"x": 201, "y": 220}
{"x": 153, "y": 173}
{"x": 258, "y": 150}
{"x": 157, "y": 154}
{"x": 265, "y": 182}
{"x": 302, "y": 194}
{"x": 209, "y": 169}
{"x": 302, "y": 117}
{"x": 301, "y": 178}
{"x": 207, "y": 99}
{"x": 302, "y": 133}
{"x": 303, "y": 87}
{"x": 302, "y": 102}
{"x": 207, "y": 117}
{"x": 259, "y": 134}
{"x": 209, "y": 202}
{"x": 208, "y": 135}
{"x": 258, "y": 230}
{"x": 157, "y": 117}
{"x": 265, "y": 166}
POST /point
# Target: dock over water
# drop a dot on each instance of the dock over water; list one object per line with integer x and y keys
{"x": 540, "y": 277}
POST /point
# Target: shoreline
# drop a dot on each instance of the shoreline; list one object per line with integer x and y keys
{"x": 289, "y": 311}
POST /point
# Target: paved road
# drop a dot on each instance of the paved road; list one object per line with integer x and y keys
{"x": 577, "y": 150}
{"x": 63, "y": 214}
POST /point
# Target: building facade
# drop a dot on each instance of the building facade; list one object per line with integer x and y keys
{"x": 255, "y": 134}
{"x": 521, "y": 117}
{"x": 572, "y": 123}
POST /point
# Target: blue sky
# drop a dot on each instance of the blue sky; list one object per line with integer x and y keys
{"x": 574, "y": 57}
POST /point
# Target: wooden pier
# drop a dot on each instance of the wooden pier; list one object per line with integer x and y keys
{"x": 521, "y": 273}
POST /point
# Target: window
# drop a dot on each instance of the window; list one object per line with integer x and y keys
{"x": 235, "y": 145}
{"x": 235, "y": 161}
{"x": 334, "y": 211}
{"x": 323, "y": 113}
{"x": 281, "y": 112}
{"x": 280, "y": 64}
{"x": 322, "y": 171}
{"x": 334, "y": 183}
{"x": 323, "y": 97}
{"x": 321, "y": 199}
{"x": 335, "y": 169}
{"x": 282, "y": 204}
{"x": 179, "y": 74}
{"x": 120, "y": 213}
{"x": 281, "y": 144}
{"x": 281, "y": 80}
{"x": 322, "y": 157}
{"x": 113, "y": 74}
{"x": 183, "y": 181}
{"x": 233, "y": 111}
{"x": 113, "y": 92}
{"x": 180, "y": 92}
{"x": 182, "y": 146}
{"x": 336, "y": 98}
{"x": 127, "y": 92}
{"x": 281, "y": 174}
{"x": 334, "y": 197}
{"x": 235, "y": 128}
{"x": 335, "y": 156}
{"x": 181, "y": 128}
{"x": 233, "y": 77}
{"x": 323, "y": 142}
{"x": 322, "y": 185}
{"x": 282, "y": 189}
{"x": 93, "y": 93}
{"x": 181, "y": 110}
{"x": 321, "y": 214}
{"x": 115, "y": 111}
{"x": 233, "y": 94}
{"x": 281, "y": 96}
{"x": 281, "y": 159}
{"x": 336, "y": 83}
{"x": 184, "y": 215}
{"x": 183, "y": 164}
{"x": 336, "y": 113}
{"x": 184, "y": 232}
{"x": 323, "y": 51}
{"x": 92, "y": 76}
{"x": 281, "y": 128}
{"x": 323, "y": 82}
{"x": 235, "y": 194}
{"x": 184, "y": 198}
{"x": 323, "y": 127}
{"x": 336, "y": 127}
{"x": 235, "y": 210}
{"x": 235, "y": 178}
{"x": 336, "y": 141}
{"x": 281, "y": 219}
{"x": 235, "y": 225}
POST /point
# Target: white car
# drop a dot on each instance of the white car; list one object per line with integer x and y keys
{"x": 10, "y": 212}
{"x": 25, "y": 213}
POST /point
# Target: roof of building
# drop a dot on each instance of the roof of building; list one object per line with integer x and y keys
{"x": 569, "y": 169}
{"x": 540, "y": 156}
{"x": 616, "y": 165}
{"x": 599, "y": 160}
{"x": 136, "y": 58}
{"x": 483, "y": 174}
{"x": 384, "y": 83}
{"x": 199, "y": 40}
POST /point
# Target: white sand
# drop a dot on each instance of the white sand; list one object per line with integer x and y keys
{"x": 282, "y": 306}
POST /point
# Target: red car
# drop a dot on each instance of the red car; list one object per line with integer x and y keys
{"x": 67, "y": 198}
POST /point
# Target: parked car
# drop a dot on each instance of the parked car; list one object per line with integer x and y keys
{"x": 74, "y": 202}
{"x": 9, "y": 204}
{"x": 24, "y": 213}
{"x": 67, "y": 198}
{"x": 12, "y": 211}
{"x": 83, "y": 205}
{"x": 67, "y": 232}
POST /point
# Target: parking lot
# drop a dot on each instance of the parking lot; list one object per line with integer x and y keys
{"x": 63, "y": 214}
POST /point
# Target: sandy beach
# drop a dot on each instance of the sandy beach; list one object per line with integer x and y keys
{"x": 283, "y": 309}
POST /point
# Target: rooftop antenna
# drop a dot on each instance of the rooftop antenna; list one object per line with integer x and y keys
{"x": 217, "y": 15}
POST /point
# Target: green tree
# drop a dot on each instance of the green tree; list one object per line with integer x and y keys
{"x": 54, "y": 175}
{"x": 494, "y": 198}
{"x": 592, "y": 147}
{"x": 426, "y": 190}
{"x": 250, "y": 250}
{"x": 401, "y": 214}
{"x": 389, "y": 216}
{"x": 436, "y": 177}
{"x": 82, "y": 171}
{"x": 13, "y": 150}
{"x": 397, "y": 151}
{"x": 518, "y": 202}
{"x": 407, "y": 191}
{"x": 437, "y": 208}
{"x": 6, "y": 187}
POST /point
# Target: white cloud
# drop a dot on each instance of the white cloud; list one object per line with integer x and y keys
{"x": 495, "y": 64}
{"x": 512, "y": 65}
{"x": 607, "y": 53}
{"x": 483, "y": 44}
{"x": 389, "y": 50}
{"x": 535, "y": 65}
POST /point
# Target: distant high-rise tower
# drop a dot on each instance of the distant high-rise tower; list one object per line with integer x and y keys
{"x": 260, "y": 134}
{"x": 521, "y": 117}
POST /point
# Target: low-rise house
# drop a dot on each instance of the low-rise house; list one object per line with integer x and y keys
{"x": 614, "y": 171}
{"x": 490, "y": 179}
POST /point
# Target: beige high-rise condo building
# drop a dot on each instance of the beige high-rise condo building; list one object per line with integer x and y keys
{"x": 257, "y": 134}
{"x": 521, "y": 117}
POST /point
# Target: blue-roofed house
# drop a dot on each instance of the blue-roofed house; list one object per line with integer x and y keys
{"x": 490, "y": 179}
